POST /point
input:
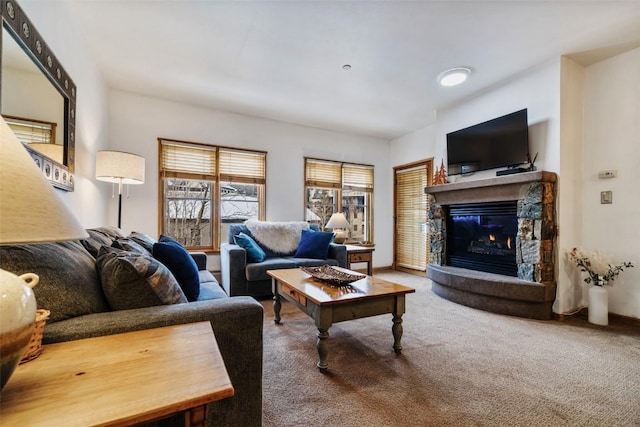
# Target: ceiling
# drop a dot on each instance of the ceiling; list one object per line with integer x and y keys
{"x": 283, "y": 60}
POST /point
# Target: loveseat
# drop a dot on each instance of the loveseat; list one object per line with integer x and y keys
{"x": 103, "y": 285}
{"x": 282, "y": 244}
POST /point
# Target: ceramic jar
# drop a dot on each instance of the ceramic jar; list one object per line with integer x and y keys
{"x": 17, "y": 318}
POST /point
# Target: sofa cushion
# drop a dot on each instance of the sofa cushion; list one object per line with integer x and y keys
{"x": 258, "y": 270}
{"x": 144, "y": 240}
{"x": 254, "y": 251}
{"x": 69, "y": 284}
{"x": 132, "y": 280}
{"x": 181, "y": 264}
{"x": 314, "y": 244}
{"x": 210, "y": 289}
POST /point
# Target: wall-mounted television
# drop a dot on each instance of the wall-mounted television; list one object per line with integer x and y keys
{"x": 497, "y": 143}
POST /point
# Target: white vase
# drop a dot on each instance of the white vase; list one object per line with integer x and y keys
{"x": 17, "y": 318}
{"x": 598, "y": 305}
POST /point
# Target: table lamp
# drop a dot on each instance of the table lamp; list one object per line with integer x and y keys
{"x": 118, "y": 167}
{"x": 340, "y": 225}
{"x": 30, "y": 212}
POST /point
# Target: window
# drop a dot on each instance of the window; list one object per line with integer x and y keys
{"x": 332, "y": 186}
{"x": 205, "y": 188}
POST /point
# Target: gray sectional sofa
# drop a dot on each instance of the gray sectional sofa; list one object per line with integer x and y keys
{"x": 240, "y": 277}
{"x": 72, "y": 286}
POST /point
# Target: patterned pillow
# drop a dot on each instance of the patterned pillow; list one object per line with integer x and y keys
{"x": 143, "y": 240}
{"x": 95, "y": 241}
{"x": 131, "y": 280}
{"x": 130, "y": 245}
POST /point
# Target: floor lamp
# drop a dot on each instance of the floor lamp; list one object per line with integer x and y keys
{"x": 118, "y": 167}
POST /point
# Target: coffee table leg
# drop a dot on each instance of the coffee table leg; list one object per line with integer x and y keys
{"x": 323, "y": 349}
{"x": 276, "y": 305}
{"x": 396, "y": 329}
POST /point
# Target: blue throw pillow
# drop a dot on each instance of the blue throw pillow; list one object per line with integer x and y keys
{"x": 176, "y": 258}
{"x": 254, "y": 251}
{"x": 168, "y": 239}
{"x": 314, "y": 244}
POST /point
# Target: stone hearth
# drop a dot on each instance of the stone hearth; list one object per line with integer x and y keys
{"x": 532, "y": 293}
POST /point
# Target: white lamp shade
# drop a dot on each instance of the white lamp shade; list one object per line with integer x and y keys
{"x": 337, "y": 220}
{"x": 119, "y": 167}
{"x": 30, "y": 209}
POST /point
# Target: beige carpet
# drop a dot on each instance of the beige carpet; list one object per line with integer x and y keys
{"x": 459, "y": 367}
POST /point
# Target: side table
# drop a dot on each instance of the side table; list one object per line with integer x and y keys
{"x": 121, "y": 379}
{"x": 357, "y": 254}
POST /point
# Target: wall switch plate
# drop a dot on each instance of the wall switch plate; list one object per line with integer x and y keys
{"x": 606, "y": 197}
{"x": 607, "y": 174}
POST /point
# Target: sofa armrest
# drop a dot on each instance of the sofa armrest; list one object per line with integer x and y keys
{"x": 339, "y": 253}
{"x": 237, "y": 325}
{"x": 200, "y": 258}
{"x": 233, "y": 265}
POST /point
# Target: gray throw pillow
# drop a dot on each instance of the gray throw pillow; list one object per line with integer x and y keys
{"x": 69, "y": 285}
{"x": 132, "y": 280}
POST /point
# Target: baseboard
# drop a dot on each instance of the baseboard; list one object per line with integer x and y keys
{"x": 613, "y": 317}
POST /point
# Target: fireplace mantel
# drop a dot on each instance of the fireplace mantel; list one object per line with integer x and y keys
{"x": 532, "y": 293}
{"x": 493, "y": 189}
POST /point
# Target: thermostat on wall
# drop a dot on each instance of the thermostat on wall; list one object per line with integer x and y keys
{"x": 607, "y": 174}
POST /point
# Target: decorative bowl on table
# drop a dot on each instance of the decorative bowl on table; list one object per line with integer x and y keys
{"x": 331, "y": 276}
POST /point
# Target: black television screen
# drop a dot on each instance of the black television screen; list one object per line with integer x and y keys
{"x": 497, "y": 143}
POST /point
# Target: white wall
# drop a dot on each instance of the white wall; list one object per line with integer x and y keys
{"x": 137, "y": 121}
{"x": 611, "y": 141}
{"x": 53, "y": 22}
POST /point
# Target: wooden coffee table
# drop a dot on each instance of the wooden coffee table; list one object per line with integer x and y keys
{"x": 326, "y": 304}
{"x": 121, "y": 379}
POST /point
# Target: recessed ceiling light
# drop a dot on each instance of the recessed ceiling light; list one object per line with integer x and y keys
{"x": 346, "y": 67}
{"x": 454, "y": 76}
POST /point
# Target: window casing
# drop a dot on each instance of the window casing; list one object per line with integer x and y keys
{"x": 332, "y": 186}
{"x": 205, "y": 188}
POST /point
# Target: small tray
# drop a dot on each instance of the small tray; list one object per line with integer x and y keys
{"x": 331, "y": 276}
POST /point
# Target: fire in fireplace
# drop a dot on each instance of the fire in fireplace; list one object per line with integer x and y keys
{"x": 482, "y": 237}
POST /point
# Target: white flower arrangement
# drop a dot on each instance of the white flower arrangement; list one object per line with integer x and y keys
{"x": 599, "y": 270}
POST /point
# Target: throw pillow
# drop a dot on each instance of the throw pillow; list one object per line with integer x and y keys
{"x": 168, "y": 239}
{"x": 143, "y": 240}
{"x": 130, "y": 245}
{"x": 181, "y": 264}
{"x": 131, "y": 280}
{"x": 69, "y": 284}
{"x": 314, "y": 244}
{"x": 254, "y": 251}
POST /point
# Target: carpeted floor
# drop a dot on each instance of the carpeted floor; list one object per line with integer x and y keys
{"x": 459, "y": 367}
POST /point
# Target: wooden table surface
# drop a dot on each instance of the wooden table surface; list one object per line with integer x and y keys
{"x": 324, "y": 294}
{"x": 121, "y": 379}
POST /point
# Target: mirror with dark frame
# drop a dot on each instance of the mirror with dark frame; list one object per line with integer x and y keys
{"x": 36, "y": 92}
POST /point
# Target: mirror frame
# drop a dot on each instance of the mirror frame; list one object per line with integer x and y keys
{"x": 22, "y": 30}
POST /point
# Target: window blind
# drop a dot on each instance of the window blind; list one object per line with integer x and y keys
{"x": 321, "y": 173}
{"x": 243, "y": 166}
{"x": 355, "y": 177}
{"x": 189, "y": 159}
{"x": 31, "y": 131}
{"x": 411, "y": 218}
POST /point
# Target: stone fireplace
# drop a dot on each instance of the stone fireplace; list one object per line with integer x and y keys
{"x": 492, "y": 243}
